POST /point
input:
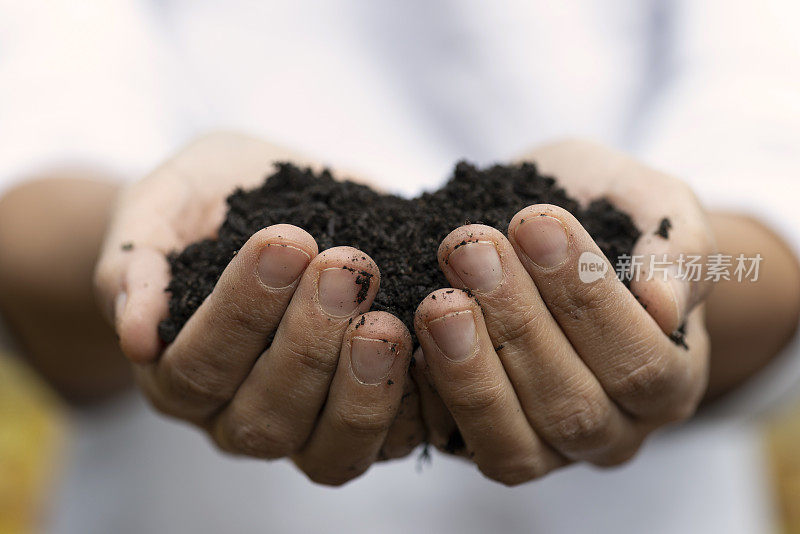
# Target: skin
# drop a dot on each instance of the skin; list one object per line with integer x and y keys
{"x": 554, "y": 370}
{"x": 51, "y": 228}
{"x": 584, "y": 372}
{"x": 608, "y": 377}
{"x": 217, "y": 374}
{"x": 750, "y": 323}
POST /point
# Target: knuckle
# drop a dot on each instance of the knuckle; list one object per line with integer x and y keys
{"x": 680, "y": 411}
{"x": 260, "y": 440}
{"x": 333, "y": 478}
{"x": 514, "y": 472}
{"x": 580, "y": 303}
{"x": 585, "y": 424}
{"x": 315, "y": 357}
{"x": 618, "y": 457}
{"x": 362, "y": 421}
{"x": 239, "y": 319}
{"x": 517, "y": 324}
{"x": 477, "y": 399}
{"x": 657, "y": 378}
{"x": 193, "y": 386}
{"x": 158, "y": 402}
{"x": 685, "y": 403}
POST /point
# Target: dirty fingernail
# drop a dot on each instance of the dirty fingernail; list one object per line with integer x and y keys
{"x": 478, "y": 265}
{"x": 454, "y": 334}
{"x": 371, "y": 359}
{"x": 544, "y": 240}
{"x": 280, "y": 265}
{"x": 341, "y": 290}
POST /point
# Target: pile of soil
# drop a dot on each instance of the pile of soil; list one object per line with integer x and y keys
{"x": 401, "y": 235}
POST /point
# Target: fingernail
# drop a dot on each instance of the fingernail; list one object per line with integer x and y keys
{"x": 478, "y": 265}
{"x": 544, "y": 240}
{"x": 454, "y": 334}
{"x": 341, "y": 290}
{"x": 281, "y": 265}
{"x": 371, "y": 359}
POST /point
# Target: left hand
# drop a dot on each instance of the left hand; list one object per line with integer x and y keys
{"x": 283, "y": 358}
{"x": 544, "y": 369}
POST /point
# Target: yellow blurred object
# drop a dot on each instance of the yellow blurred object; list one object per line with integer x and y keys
{"x": 783, "y": 447}
{"x": 31, "y": 435}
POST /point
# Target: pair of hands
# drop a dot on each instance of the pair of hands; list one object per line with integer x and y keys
{"x": 547, "y": 370}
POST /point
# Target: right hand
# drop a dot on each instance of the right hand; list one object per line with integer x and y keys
{"x": 551, "y": 368}
{"x": 331, "y": 390}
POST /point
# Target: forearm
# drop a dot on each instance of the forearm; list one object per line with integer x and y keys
{"x": 50, "y": 234}
{"x": 750, "y": 322}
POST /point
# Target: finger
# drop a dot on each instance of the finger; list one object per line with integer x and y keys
{"x": 441, "y": 429}
{"x": 562, "y": 399}
{"x": 133, "y": 297}
{"x": 407, "y": 430}
{"x": 469, "y": 377}
{"x": 638, "y": 366}
{"x": 590, "y": 171}
{"x": 215, "y": 350}
{"x": 699, "y": 343}
{"x": 664, "y": 279}
{"x": 275, "y": 408}
{"x": 363, "y": 401}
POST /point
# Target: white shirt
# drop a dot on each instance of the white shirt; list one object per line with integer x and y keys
{"x": 706, "y": 90}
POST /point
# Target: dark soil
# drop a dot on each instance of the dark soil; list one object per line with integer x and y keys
{"x": 455, "y": 442}
{"x": 401, "y": 235}
{"x": 664, "y": 226}
{"x": 679, "y": 336}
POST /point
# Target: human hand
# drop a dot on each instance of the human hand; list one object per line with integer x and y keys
{"x": 542, "y": 369}
{"x": 278, "y": 360}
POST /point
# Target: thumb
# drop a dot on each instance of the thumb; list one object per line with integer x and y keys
{"x": 131, "y": 286}
{"x": 667, "y": 268}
